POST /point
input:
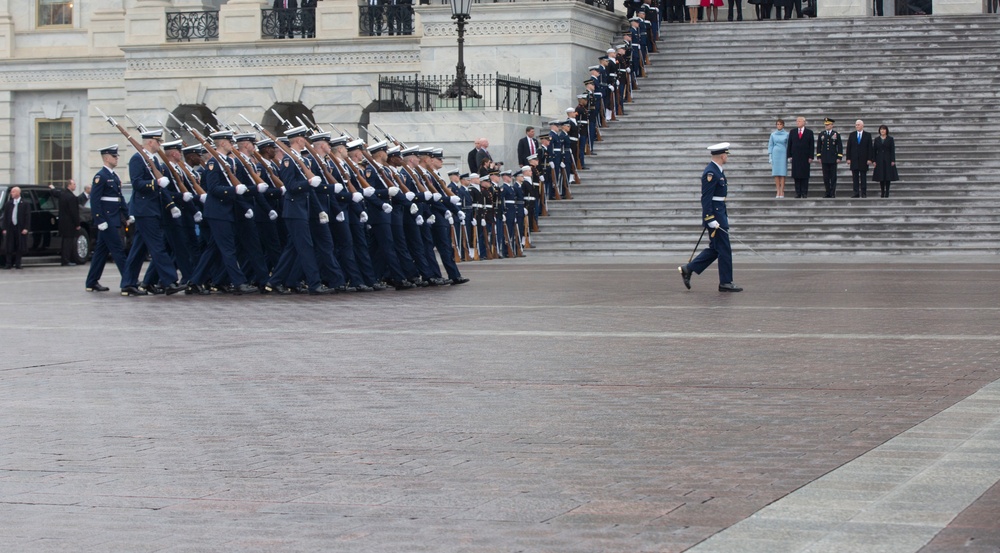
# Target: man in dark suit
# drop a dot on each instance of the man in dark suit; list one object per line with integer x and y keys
{"x": 526, "y": 146}
{"x": 801, "y": 148}
{"x": 860, "y": 156}
{"x": 84, "y": 197}
{"x": 15, "y": 222}
{"x": 69, "y": 221}
{"x": 471, "y": 158}
{"x": 484, "y": 161}
{"x": 286, "y": 16}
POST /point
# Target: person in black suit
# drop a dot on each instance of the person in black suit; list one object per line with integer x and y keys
{"x": 526, "y": 146}
{"x": 471, "y": 158}
{"x": 286, "y": 17}
{"x": 69, "y": 221}
{"x": 484, "y": 161}
{"x": 885, "y": 160}
{"x": 860, "y": 155}
{"x": 16, "y": 223}
{"x": 801, "y": 148}
{"x": 84, "y": 197}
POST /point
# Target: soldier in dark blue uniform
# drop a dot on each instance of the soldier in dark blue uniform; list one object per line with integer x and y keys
{"x": 108, "y": 208}
{"x": 829, "y": 150}
{"x": 715, "y": 220}
{"x": 270, "y": 203}
{"x": 379, "y": 204}
{"x": 146, "y": 208}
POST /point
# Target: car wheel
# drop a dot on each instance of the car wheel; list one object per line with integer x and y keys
{"x": 81, "y": 249}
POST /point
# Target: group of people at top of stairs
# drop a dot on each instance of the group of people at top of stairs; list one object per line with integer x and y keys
{"x": 672, "y": 11}
{"x": 801, "y": 149}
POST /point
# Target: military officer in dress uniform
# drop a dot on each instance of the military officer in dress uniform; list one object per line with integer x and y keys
{"x": 146, "y": 208}
{"x": 715, "y": 220}
{"x": 109, "y": 209}
{"x": 829, "y": 150}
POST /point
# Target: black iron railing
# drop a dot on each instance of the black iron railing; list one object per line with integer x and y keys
{"x": 184, "y": 26}
{"x": 383, "y": 19}
{"x": 426, "y": 93}
{"x": 607, "y": 5}
{"x": 282, "y": 23}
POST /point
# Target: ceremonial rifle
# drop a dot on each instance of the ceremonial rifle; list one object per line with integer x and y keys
{"x": 163, "y": 155}
{"x": 187, "y": 172}
{"x": 211, "y": 149}
{"x": 157, "y": 175}
{"x": 306, "y": 172}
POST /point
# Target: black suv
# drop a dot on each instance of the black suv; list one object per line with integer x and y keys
{"x": 45, "y": 239}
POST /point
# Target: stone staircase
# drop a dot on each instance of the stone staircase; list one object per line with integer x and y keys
{"x": 934, "y": 81}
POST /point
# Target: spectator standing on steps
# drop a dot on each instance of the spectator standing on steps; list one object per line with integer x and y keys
{"x": 885, "y": 160}
{"x": 692, "y": 6}
{"x": 859, "y": 157}
{"x": 711, "y": 9}
{"x": 739, "y": 9}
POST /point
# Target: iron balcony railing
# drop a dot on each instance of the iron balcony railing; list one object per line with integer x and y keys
{"x": 384, "y": 18}
{"x": 184, "y": 26}
{"x": 607, "y": 5}
{"x": 427, "y": 93}
{"x": 282, "y": 23}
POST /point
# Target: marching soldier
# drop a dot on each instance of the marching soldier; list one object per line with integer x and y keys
{"x": 109, "y": 210}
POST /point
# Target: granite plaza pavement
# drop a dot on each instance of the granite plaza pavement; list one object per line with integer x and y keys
{"x": 547, "y": 406}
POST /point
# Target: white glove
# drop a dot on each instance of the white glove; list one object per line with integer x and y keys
{"x": 203, "y": 197}
{"x": 198, "y": 217}
{"x": 387, "y": 208}
{"x": 461, "y": 216}
{"x": 241, "y": 189}
{"x": 338, "y": 188}
{"x": 175, "y": 212}
{"x": 131, "y": 220}
{"x": 525, "y": 212}
{"x": 505, "y": 218}
{"x": 449, "y": 218}
{"x": 431, "y": 219}
{"x": 102, "y": 226}
{"x": 419, "y": 220}
{"x": 369, "y": 191}
{"x": 272, "y": 215}
{"x": 552, "y": 165}
{"x": 455, "y": 200}
{"x": 410, "y": 196}
{"x": 562, "y": 165}
{"x": 475, "y": 223}
{"x": 248, "y": 214}
{"x": 163, "y": 182}
{"x": 314, "y": 182}
{"x": 262, "y": 187}
{"x": 340, "y": 217}
{"x": 393, "y": 190}
{"x": 283, "y": 190}
{"x": 357, "y": 197}
{"x": 323, "y": 218}
{"x": 436, "y": 196}
{"x": 713, "y": 224}
{"x": 363, "y": 217}
{"x": 187, "y": 196}
{"x": 414, "y": 209}
{"x": 427, "y": 195}
{"x": 482, "y": 222}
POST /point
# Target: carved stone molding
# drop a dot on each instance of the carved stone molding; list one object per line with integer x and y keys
{"x": 540, "y": 27}
{"x": 242, "y": 62}
{"x": 62, "y": 75}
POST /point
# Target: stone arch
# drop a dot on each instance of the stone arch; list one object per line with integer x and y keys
{"x": 289, "y": 111}
{"x": 187, "y": 114}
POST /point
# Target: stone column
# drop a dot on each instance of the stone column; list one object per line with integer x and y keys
{"x": 337, "y": 19}
{"x": 240, "y": 20}
{"x": 6, "y": 136}
{"x": 146, "y": 23}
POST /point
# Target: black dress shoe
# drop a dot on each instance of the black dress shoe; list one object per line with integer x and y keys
{"x": 363, "y": 288}
{"x": 154, "y": 289}
{"x": 685, "y": 276}
{"x": 68, "y": 264}
{"x": 403, "y": 285}
{"x": 856, "y": 196}
{"x": 194, "y": 289}
{"x": 133, "y": 291}
{"x": 459, "y": 280}
{"x": 278, "y": 289}
{"x": 864, "y": 195}
{"x": 379, "y": 286}
{"x": 97, "y": 288}
{"x": 244, "y": 289}
{"x": 174, "y": 288}
{"x": 321, "y": 290}
{"x": 345, "y": 289}
{"x": 436, "y": 281}
{"x": 729, "y": 287}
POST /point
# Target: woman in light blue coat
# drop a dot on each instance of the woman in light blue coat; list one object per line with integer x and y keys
{"x": 777, "y": 155}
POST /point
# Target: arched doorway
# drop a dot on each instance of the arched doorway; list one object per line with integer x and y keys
{"x": 191, "y": 114}
{"x": 292, "y": 114}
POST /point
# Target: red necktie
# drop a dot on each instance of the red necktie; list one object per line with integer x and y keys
{"x": 531, "y": 145}
{"x": 800, "y": 133}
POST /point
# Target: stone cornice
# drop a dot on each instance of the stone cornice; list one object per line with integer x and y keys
{"x": 489, "y": 28}
{"x": 354, "y": 59}
{"x": 111, "y": 76}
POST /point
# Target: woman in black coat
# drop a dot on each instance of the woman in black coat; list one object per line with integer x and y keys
{"x": 885, "y": 160}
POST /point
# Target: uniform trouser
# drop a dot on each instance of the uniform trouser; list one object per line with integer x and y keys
{"x": 384, "y": 254}
{"x": 108, "y": 243}
{"x": 407, "y": 264}
{"x": 510, "y": 224}
{"x": 592, "y": 130}
{"x": 860, "y": 180}
{"x": 269, "y": 242}
{"x": 431, "y": 262}
{"x": 801, "y": 187}
{"x": 177, "y": 240}
{"x": 413, "y": 234}
{"x": 223, "y": 248}
{"x": 148, "y": 235}
{"x": 343, "y": 248}
{"x": 578, "y": 152}
{"x": 329, "y": 269}
{"x": 499, "y": 226}
{"x": 483, "y": 239}
{"x": 830, "y": 179}
{"x": 250, "y": 252}
{"x": 363, "y": 254}
{"x": 442, "y": 241}
{"x": 298, "y": 249}
{"x": 718, "y": 248}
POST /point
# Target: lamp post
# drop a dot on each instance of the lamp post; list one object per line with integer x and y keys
{"x": 460, "y": 13}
